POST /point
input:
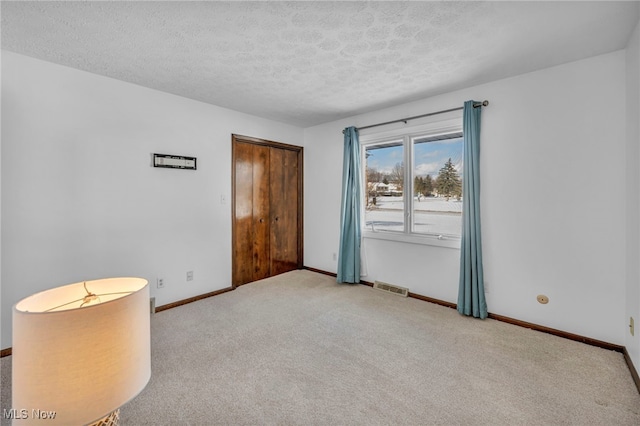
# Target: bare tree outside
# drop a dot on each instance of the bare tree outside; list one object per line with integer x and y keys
{"x": 397, "y": 175}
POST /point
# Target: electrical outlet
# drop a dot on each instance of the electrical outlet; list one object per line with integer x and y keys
{"x": 631, "y": 326}
{"x": 160, "y": 282}
{"x": 189, "y": 275}
{"x": 335, "y": 256}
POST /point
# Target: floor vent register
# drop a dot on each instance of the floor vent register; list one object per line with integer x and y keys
{"x": 390, "y": 288}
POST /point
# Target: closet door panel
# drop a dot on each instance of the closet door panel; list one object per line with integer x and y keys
{"x": 243, "y": 214}
{"x": 261, "y": 212}
{"x": 284, "y": 210}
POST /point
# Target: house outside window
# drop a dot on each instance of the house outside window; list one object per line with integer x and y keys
{"x": 421, "y": 203}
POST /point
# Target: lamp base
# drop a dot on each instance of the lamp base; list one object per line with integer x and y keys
{"x": 112, "y": 419}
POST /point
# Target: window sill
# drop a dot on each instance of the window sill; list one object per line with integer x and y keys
{"x": 428, "y": 240}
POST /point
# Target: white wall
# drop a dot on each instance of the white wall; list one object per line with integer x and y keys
{"x": 80, "y": 200}
{"x": 553, "y": 191}
{"x": 632, "y": 308}
{"x": 553, "y": 197}
{"x": 1, "y": 310}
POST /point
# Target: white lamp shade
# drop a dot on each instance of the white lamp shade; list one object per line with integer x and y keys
{"x": 80, "y": 362}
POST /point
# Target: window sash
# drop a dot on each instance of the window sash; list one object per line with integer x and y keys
{"x": 450, "y": 129}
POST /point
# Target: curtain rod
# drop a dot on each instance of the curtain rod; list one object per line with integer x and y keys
{"x": 404, "y": 120}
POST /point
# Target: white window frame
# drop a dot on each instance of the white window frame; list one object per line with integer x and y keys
{"x": 443, "y": 127}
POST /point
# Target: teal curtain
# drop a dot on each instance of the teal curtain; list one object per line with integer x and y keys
{"x": 350, "y": 226}
{"x": 471, "y": 299}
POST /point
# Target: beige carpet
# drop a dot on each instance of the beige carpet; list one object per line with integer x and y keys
{"x": 300, "y": 349}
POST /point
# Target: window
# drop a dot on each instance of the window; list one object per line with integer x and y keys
{"x": 421, "y": 203}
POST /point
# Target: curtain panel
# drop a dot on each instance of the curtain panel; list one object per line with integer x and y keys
{"x": 350, "y": 214}
{"x": 471, "y": 297}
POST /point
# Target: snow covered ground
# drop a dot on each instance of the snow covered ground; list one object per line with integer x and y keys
{"x": 431, "y": 215}
{"x": 434, "y": 204}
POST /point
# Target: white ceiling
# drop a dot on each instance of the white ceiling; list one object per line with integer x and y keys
{"x": 307, "y": 63}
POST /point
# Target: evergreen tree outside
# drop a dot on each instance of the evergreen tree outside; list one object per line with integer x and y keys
{"x": 448, "y": 182}
{"x": 418, "y": 186}
{"x": 428, "y": 186}
{"x": 423, "y": 185}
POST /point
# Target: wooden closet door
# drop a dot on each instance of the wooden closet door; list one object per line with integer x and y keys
{"x": 267, "y": 209}
{"x": 251, "y": 216}
{"x": 284, "y": 210}
{"x": 261, "y": 213}
{"x": 243, "y": 213}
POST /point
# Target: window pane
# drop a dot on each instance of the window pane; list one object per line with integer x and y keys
{"x": 384, "y": 185}
{"x": 437, "y": 185}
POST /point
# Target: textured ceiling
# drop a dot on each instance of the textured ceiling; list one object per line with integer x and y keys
{"x": 307, "y": 63}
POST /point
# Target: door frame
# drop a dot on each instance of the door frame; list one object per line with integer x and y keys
{"x": 235, "y": 138}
